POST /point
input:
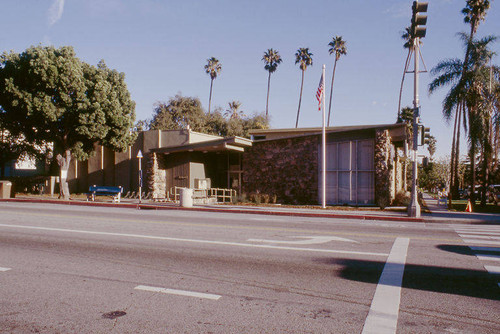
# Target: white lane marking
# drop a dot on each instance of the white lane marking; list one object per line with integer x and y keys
{"x": 475, "y": 227}
{"x": 478, "y": 228}
{"x": 4, "y": 269}
{"x": 472, "y": 232}
{"x": 267, "y": 219}
{"x": 383, "y": 314}
{"x": 487, "y": 257}
{"x": 479, "y": 241}
{"x": 308, "y": 241}
{"x": 178, "y": 292}
{"x": 495, "y": 270}
{"x": 210, "y": 242}
{"x": 485, "y": 249}
{"x": 479, "y": 236}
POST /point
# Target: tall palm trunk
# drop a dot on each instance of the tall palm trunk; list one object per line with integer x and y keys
{"x": 473, "y": 173}
{"x": 487, "y": 155}
{"x": 300, "y": 99}
{"x": 407, "y": 63}
{"x": 267, "y": 100}
{"x": 451, "y": 193}
{"x": 210, "y": 96}
{"x": 456, "y": 182}
{"x": 331, "y": 91}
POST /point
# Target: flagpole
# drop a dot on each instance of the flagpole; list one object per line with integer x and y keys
{"x": 323, "y": 145}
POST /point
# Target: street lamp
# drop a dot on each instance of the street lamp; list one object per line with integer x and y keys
{"x": 139, "y": 156}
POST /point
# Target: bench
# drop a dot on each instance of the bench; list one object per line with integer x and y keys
{"x": 442, "y": 200}
{"x": 114, "y": 192}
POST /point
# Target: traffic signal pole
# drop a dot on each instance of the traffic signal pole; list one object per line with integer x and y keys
{"x": 414, "y": 207}
{"x": 417, "y": 30}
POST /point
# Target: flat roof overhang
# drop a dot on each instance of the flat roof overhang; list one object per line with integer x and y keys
{"x": 235, "y": 144}
{"x": 397, "y": 131}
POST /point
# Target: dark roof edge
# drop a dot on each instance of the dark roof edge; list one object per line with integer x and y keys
{"x": 319, "y": 132}
{"x": 328, "y": 129}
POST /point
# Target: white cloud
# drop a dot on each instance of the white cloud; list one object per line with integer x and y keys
{"x": 55, "y": 11}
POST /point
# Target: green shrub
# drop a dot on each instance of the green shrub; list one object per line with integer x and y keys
{"x": 402, "y": 198}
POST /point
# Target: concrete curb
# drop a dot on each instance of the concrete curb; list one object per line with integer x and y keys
{"x": 223, "y": 210}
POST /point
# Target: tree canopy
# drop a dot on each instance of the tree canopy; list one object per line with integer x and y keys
{"x": 181, "y": 111}
{"x": 49, "y": 95}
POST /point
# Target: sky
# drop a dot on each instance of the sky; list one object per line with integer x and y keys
{"x": 162, "y": 47}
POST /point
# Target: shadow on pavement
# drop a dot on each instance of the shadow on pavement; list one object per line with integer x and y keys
{"x": 466, "y": 250}
{"x": 475, "y": 218}
{"x": 457, "y": 281}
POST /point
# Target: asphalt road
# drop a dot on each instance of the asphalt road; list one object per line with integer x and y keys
{"x": 109, "y": 270}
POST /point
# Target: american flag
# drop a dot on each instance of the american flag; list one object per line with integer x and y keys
{"x": 320, "y": 92}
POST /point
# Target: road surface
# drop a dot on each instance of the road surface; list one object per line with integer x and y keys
{"x": 112, "y": 270}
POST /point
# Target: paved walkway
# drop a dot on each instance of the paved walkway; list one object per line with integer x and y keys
{"x": 438, "y": 211}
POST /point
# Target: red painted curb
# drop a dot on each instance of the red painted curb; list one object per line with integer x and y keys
{"x": 228, "y": 210}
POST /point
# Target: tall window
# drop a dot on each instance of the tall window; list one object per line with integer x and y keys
{"x": 350, "y": 173}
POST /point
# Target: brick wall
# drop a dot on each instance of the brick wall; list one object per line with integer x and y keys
{"x": 287, "y": 168}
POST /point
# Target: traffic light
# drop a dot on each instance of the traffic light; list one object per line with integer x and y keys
{"x": 418, "y": 21}
{"x": 425, "y": 134}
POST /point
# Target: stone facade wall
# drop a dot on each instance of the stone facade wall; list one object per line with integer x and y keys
{"x": 383, "y": 168}
{"x": 286, "y": 168}
{"x": 156, "y": 177}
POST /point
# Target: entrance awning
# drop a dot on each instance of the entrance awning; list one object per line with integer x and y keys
{"x": 235, "y": 144}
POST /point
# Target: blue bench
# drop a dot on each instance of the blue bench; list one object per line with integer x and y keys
{"x": 114, "y": 192}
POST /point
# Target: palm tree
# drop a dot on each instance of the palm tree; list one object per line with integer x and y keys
{"x": 212, "y": 68}
{"x": 272, "y": 59}
{"x": 460, "y": 76}
{"x": 304, "y": 58}
{"x": 474, "y": 12}
{"x": 233, "y": 112}
{"x": 466, "y": 97}
{"x": 337, "y": 46}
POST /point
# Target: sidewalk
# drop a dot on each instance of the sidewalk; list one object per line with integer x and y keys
{"x": 438, "y": 212}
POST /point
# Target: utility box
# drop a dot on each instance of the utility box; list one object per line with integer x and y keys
{"x": 202, "y": 184}
{"x": 5, "y": 188}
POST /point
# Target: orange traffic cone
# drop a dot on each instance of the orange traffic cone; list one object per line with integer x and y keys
{"x": 469, "y": 207}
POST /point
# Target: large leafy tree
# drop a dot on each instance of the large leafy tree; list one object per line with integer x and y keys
{"x": 272, "y": 59}
{"x": 212, "y": 68}
{"x": 304, "y": 58}
{"x": 13, "y": 148}
{"x": 179, "y": 112}
{"x": 49, "y": 95}
{"x": 337, "y": 47}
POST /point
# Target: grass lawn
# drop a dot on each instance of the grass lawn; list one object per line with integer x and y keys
{"x": 460, "y": 205}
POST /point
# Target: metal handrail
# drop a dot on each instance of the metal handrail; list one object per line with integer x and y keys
{"x": 221, "y": 194}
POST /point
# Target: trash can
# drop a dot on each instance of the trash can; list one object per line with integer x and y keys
{"x": 186, "y": 198}
{"x": 5, "y": 187}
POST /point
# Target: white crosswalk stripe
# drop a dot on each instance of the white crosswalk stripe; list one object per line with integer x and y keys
{"x": 484, "y": 241}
